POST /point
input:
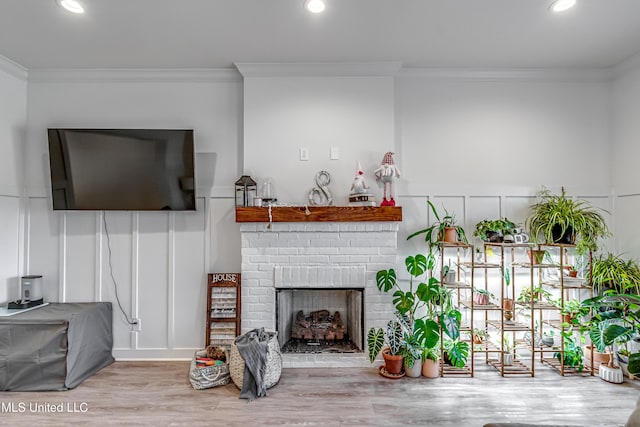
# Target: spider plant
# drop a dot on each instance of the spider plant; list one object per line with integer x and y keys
{"x": 614, "y": 272}
{"x": 555, "y": 218}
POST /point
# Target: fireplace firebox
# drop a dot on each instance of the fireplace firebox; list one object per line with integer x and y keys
{"x": 326, "y": 320}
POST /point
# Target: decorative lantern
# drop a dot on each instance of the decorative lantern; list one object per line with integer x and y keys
{"x": 246, "y": 190}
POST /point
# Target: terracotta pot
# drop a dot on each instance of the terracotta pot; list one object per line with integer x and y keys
{"x": 477, "y": 339}
{"x": 535, "y": 256}
{"x": 573, "y": 273}
{"x": 566, "y": 318}
{"x": 598, "y": 357}
{"x": 393, "y": 364}
{"x": 415, "y": 370}
{"x": 431, "y": 369}
{"x": 450, "y": 235}
{"x": 507, "y": 304}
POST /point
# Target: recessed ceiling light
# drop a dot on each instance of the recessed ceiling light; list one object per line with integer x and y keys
{"x": 314, "y": 6}
{"x": 561, "y": 5}
{"x": 73, "y": 6}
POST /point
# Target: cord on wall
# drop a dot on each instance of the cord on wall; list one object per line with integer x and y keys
{"x": 113, "y": 279}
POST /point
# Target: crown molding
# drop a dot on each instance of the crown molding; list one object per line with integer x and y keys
{"x": 578, "y": 75}
{"x": 319, "y": 69}
{"x": 13, "y": 68}
{"x": 209, "y": 75}
{"x": 630, "y": 64}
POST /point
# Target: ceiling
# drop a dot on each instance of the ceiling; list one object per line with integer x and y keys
{"x": 190, "y": 34}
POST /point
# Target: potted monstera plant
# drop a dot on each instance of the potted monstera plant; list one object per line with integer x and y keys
{"x": 555, "y": 218}
{"x": 425, "y": 309}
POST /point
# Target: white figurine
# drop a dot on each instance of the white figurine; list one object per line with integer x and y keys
{"x": 359, "y": 193}
{"x": 386, "y": 173}
{"x": 359, "y": 186}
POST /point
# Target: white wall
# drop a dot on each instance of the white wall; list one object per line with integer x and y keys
{"x": 160, "y": 259}
{"x": 625, "y": 111}
{"x": 13, "y": 122}
{"x": 481, "y": 146}
{"x": 297, "y": 108}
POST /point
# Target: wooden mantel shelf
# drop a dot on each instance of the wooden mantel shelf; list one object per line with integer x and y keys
{"x": 319, "y": 214}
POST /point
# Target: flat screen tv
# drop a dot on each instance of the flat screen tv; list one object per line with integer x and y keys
{"x": 122, "y": 169}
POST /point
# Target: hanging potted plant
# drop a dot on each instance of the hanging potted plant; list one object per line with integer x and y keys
{"x": 558, "y": 219}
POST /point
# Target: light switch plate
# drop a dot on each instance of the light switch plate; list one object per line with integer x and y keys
{"x": 304, "y": 154}
{"x": 334, "y": 153}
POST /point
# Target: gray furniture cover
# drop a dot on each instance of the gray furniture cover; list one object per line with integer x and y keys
{"x": 55, "y": 347}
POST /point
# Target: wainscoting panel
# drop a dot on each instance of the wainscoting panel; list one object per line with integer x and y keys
{"x": 188, "y": 298}
{"x": 516, "y": 208}
{"x": 43, "y": 241}
{"x": 480, "y": 208}
{"x": 627, "y": 230}
{"x": 153, "y": 279}
{"x": 9, "y": 247}
{"x": 123, "y": 264}
{"x": 79, "y": 261}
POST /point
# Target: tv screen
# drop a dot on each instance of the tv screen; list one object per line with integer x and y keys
{"x": 122, "y": 169}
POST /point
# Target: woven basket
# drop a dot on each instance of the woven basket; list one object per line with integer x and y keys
{"x": 273, "y": 369}
{"x": 208, "y": 376}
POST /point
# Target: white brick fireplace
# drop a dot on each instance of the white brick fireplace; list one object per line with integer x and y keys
{"x": 316, "y": 255}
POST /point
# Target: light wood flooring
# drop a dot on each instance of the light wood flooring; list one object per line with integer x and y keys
{"x": 159, "y": 394}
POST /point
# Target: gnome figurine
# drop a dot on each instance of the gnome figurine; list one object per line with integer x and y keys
{"x": 359, "y": 186}
{"x": 386, "y": 173}
{"x": 359, "y": 193}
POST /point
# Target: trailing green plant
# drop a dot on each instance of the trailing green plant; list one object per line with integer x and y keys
{"x": 486, "y": 228}
{"x": 614, "y": 272}
{"x": 481, "y": 333}
{"x": 573, "y": 308}
{"x": 554, "y": 215}
{"x": 572, "y": 354}
{"x": 616, "y": 320}
{"x": 376, "y": 339}
{"x": 432, "y": 301}
{"x": 538, "y": 293}
{"x": 435, "y": 232}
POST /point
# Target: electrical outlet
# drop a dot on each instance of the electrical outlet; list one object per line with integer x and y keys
{"x": 334, "y": 153}
{"x": 137, "y": 325}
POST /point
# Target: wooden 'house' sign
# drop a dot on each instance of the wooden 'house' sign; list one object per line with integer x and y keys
{"x": 223, "y": 308}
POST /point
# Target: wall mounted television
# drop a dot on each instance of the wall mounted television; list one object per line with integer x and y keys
{"x": 122, "y": 169}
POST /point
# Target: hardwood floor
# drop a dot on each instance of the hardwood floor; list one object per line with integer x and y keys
{"x": 158, "y": 393}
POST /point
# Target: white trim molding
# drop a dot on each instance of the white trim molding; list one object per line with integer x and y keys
{"x": 319, "y": 69}
{"x": 147, "y": 75}
{"x": 13, "y": 68}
